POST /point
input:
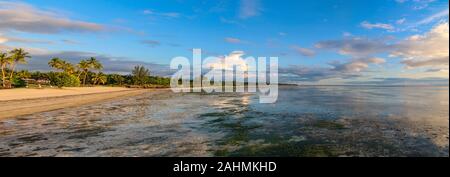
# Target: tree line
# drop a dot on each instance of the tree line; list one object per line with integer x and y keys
{"x": 87, "y": 72}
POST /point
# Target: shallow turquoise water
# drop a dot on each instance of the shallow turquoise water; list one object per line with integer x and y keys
{"x": 306, "y": 121}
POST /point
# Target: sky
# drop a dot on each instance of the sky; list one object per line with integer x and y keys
{"x": 316, "y": 41}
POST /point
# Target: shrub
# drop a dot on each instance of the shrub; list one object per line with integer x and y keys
{"x": 63, "y": 80}
{"x": 18, "y": 82}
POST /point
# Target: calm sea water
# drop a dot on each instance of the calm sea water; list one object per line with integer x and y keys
{"x": 306, "y": 121}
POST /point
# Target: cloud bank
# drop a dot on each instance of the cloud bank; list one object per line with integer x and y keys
{"x": 26, "y": 18}
{"x": 111, "y": 64}
{"x": 430, "y": 49}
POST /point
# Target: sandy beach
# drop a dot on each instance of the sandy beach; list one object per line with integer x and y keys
{"x": 18, "y": 102}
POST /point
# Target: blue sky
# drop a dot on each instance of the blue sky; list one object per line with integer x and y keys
{"x": 329, "y": 41}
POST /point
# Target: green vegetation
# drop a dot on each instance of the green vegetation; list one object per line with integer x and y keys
{"x": 285, "y": 149}
{"x": 8, "y": 62}
{"x": 87, "y": 72}
{"x": 140, "y": 75}
{"x": 243, "y": 137}
{"x": 63, "y": 80}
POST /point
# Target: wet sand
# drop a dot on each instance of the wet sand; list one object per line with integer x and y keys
{"x": 19, "y": 102}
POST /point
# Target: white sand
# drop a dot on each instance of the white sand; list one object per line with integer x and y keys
{"x": 23, "y": 93}
{"x": 18, "y": 102}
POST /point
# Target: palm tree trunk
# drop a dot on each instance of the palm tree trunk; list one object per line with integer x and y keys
{"x": 13, "y": 67}
{"x": 84, "y": 80}
{"x": 3, "y": 76}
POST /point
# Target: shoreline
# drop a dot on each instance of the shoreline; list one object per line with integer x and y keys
{"x": 25, "y": 105}
{"x": 35, "y": 93}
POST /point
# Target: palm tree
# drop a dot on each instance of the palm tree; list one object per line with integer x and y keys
{"x": 140, "y": 74}
{"x": 18, "y": 56}
{"x": 4, "y": 61}
{"x": 56, "y": 63}
{"x": 95, "y": 64}
{"x": 84, "y": 69}
{"x": 103, "y": 79}
{"x": 68, "y": 68}
{"x": 24, "y": 74}
{"x": 63, "y": 65}
{"x": 118, "y": 79}
{"x": 99, "y": 78}
{"x": 86, "y": 65}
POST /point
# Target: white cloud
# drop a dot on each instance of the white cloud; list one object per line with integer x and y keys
{"x": 151, "y": 43}
{"x": 440, "y": 15}
{"x": 400, "y": 21}
{"x": 356, "y": 46}
{"x": 347, "y": 34}
{"x": 228, "y": 62}
{"x": 31, "y": 50}
{"x": 367, "y": 25}
{"x": 357, "y": 65}
{"x": 233, "y": 40}
{"x": 227, "y": 21}
{"x": 421, "y": 4}
{"x": 7, "y": 47}
{"x": 304, "y": 51}
{"x": 162, "y": 14}
{"x": 68, "y": 41}
{"x": 249, "y": 8}
{"x": 416, "y": 4}
{"x": 5, "y": 39}
{"x": 401, "y": 1}
{"x": 430, "y": 49}
{"x": 25, "y": 18}
{"x": 171, "y": 14}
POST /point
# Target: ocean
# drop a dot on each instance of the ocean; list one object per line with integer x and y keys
{"x": 306, "y": 121}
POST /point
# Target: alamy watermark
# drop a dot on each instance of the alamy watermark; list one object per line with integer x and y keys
{"x": 227, "y": 74}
